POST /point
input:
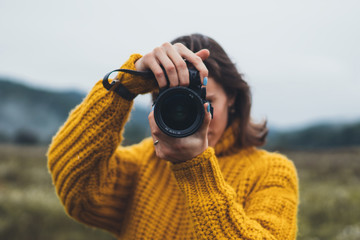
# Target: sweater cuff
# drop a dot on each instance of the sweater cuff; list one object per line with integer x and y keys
{"x": 136, "y": 84}
{"x": 201, "y": 176}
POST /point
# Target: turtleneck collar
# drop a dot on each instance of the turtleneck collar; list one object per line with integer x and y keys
{"x": 226, "y": 143}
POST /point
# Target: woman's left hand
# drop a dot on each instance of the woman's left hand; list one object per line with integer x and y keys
{"x": 178, "y": 150}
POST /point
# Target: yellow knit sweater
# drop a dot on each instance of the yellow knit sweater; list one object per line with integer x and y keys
{"x": 224, "y": 193}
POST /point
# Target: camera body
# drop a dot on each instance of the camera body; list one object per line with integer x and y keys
{"x": 179, "y": 111}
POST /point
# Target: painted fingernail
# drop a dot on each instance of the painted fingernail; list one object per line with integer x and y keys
{"x": 205, "y": 81}
{"x": 208, "y": 107}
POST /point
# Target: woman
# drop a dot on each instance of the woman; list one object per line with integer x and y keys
{"x": 214, "y": 184}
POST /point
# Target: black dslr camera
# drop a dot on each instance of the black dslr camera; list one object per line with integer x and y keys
{"x": 179, "y": 111}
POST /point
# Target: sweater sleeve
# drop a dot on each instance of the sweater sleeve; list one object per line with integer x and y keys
{"x": 268, "y": 213}
{"x": 92, "y": 175}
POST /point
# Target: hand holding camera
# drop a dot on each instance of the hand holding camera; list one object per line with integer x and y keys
{"x": 180, "y": 126}
{"x": 171, "y": 57}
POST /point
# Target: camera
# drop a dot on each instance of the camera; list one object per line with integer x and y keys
{"x": 179, "y": 111}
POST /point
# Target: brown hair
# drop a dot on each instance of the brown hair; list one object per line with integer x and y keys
{"x": 224, "y": 71}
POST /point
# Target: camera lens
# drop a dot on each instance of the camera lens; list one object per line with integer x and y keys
{"x": 179, "y": 112}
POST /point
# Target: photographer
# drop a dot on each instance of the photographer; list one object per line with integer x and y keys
{"x": 212, "y": 184}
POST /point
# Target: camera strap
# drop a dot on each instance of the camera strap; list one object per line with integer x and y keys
{"x": 118, "y": 87}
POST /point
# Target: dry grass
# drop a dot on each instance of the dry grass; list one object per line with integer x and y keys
{"x": 29, "y": 208}
{"x": 329, "y": 193}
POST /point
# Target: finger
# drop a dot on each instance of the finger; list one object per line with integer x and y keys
{"x": 180, "y": 64}
{"x": 203, "y": 54}
{"x": 163, "y": 141}
{"x": 207, "y": 119}
{"x": 194, "y": 59}
{"x": 158, "y": 73}
{"x": 155, "y": 131}
{"x": 168, "y": 65}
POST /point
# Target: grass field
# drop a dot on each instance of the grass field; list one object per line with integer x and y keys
{"x": 29, "y": 208}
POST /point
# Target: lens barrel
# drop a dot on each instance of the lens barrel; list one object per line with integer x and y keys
{"x": 179, "y": 111}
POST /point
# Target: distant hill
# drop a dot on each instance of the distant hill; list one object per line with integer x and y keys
{"x": 30, "y": 115}
{"x": 34, "y": 115}
{"x": 319, "y": 136}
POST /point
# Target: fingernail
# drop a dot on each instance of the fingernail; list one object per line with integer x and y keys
{"x": 208, "y": 107}
{"x": 205, "y": 81}
{"x": 152, "y": 109}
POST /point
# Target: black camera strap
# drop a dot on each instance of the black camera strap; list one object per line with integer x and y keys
{"x": 118, "y": 87}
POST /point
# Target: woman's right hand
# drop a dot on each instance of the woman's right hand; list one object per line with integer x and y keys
{"x": 172, "y": 57}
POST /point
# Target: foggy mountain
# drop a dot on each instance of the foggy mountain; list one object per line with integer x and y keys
{"x": 31, "y": 115}
{"x": 34, "y": 115}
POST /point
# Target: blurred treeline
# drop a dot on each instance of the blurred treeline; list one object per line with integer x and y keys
{"x": 32, "y": 116}
{"x": 317, "y": 136}
{"x": 327, "y": 157}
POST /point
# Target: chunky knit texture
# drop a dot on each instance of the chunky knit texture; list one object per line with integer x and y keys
{"x": 224, "y": 193}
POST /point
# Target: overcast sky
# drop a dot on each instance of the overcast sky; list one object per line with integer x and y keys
{"x": 302, "y": 59}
